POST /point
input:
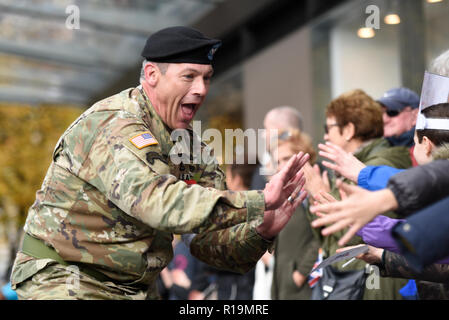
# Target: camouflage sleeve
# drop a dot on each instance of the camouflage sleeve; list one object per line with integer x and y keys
{"x": 140, "y": 183}
{"x": 236, "y": 249}
{"x": 396, "y": 266}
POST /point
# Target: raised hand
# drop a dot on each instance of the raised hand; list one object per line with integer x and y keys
{"x": 359, "y": 208}
{"x": 315, "y": 182}
{"x": 343, "y": 162}
{"x": 283, "y": 183}
{"x": 275, "y": 220}
{"x": 321, "y": 198}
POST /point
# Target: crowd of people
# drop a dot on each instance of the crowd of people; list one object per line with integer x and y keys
{"x": 116, "y": 212}
{"x": 380, "y": 184}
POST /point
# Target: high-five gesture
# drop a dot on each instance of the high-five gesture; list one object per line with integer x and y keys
{"x": 284, "y": 183}
{"x": 275, "y": 220}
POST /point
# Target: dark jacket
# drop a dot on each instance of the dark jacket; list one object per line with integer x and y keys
{"x": 433, "y": 280}
{"x": 418, "y": 187}
{"x": 405, "y": 139}
{"x": 296, "y": 248}
{"x": 424, "y": 236}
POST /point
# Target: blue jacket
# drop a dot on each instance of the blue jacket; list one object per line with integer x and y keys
{"x": 376, "y": 177}
{"x": 424, "y": 237}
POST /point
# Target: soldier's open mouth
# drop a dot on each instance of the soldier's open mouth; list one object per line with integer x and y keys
{"x": 188, "y": 109}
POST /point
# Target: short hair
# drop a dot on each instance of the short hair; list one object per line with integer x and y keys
{"x": 438, "y": 137}
{"x": 298, "y": 141}
{"x": 287, "y": 116}
{"x": 161, "y": 65}
{"x": 440, "y": 65}
{"x": 361, "y": 110}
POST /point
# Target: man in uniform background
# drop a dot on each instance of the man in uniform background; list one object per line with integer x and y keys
{"x": 102, "y": 223}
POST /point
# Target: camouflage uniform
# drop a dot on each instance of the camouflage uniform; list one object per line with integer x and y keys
{"x": 109, "y": 206}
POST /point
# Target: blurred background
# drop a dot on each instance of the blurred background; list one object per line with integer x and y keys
{"x": 301, "y": 53}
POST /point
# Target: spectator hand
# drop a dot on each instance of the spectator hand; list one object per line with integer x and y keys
{"x": 180, "y": 278}
{"x": 166, "y": 278}
{"x": 322, "y": 198}
{"x": 196, "y": 295}
{"x": 315, "y": 182}
{"x": 344, "y": 162}
{"x": 373, "y": 256}
{"x": 298, "y": 278}
{"x": 266, "y": 258}
{"x": 359, "y": 208}
{"x": 284, "y": 183}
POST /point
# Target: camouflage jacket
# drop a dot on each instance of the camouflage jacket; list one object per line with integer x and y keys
{"x": 112, "y": 204}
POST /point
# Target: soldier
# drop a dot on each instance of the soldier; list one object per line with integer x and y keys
{"x": 103, "y": 221}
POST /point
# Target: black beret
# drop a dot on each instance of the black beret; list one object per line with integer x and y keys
{"x": 180, "y": 45}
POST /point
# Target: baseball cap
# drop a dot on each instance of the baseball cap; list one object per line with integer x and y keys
{"x": 398, "y": 98}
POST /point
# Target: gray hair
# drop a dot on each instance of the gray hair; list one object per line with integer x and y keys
{"x": 440, "y": 65}
{"x": 162, "y": 67}
{"x": 286, "y": 116}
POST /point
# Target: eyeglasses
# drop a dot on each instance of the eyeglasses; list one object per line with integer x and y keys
{"x": 328, "y": 126}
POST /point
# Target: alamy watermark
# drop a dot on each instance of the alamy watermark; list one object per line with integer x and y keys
{"x": 191, "y": 152}
{"x": 73, "y": 20}
{"x": 373, "y": 279}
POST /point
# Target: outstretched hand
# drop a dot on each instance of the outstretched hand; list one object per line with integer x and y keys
{"x": 373, "y": 256}
{"x": 283, "y": 183}
{"x": 359, "y": 208}
{"x": 322, "y": 198}
{"x": 315, "y": 181}
{"x": 343, "y": 162}
{"x": 275, "y": 220}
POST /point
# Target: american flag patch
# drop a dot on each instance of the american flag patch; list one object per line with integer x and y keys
{"x": 142, "y": 140}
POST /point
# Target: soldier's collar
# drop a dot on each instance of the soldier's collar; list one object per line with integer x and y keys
{"x": 157, "y": 127}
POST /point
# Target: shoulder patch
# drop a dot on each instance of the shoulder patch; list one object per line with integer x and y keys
{"x": 143, "y": 140}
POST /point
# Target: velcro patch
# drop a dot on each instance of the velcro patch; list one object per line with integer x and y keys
{"x": 143, "y": 140}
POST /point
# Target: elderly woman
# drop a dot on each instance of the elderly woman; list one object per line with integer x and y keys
{"x": 354, "y": 123}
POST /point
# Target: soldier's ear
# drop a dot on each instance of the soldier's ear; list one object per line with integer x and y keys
{"x": 152, "y": 74}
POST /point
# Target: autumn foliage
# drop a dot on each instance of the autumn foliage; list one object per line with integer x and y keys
{"x": 28, "y": 135}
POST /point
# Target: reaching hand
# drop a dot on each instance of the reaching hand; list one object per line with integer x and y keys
{"x": 359, "y": 208}
{"x": 315, "y": 182}
{"x": 283, "y": 183}
{"x": 373, "y": 256}
{"x": 322, "y": 198}
{"x": 344, "y": 162}
{"x": 275, "y": 220}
